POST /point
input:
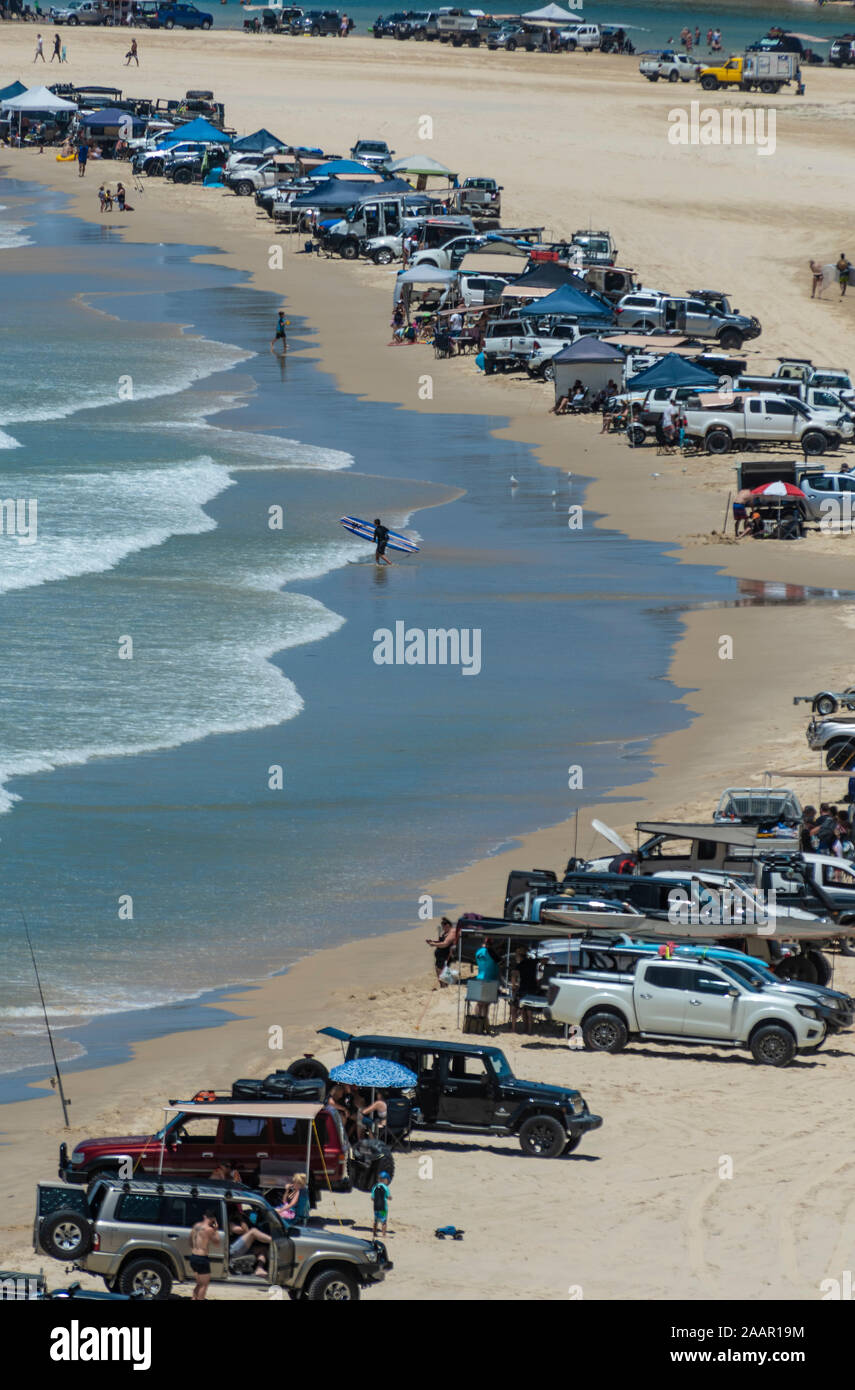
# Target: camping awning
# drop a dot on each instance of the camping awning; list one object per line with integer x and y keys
{"x": 553, "y": 13}
{"x": 741, "y": 835}
{"x": 644, "y": 340}
{"x": 346, "y": 168}
{"x": 38, "y": 99}
{"x": 426, "y": 275}
{"x": 672, "y": 370}
{"x": 14, "y": 89}
{"x": 249, "y": 1109}
{"x": 259, "y": 142}
{"x": 476, "y": 263}
{"x": 422, "y": 165}
{"x": 112, "y": 117}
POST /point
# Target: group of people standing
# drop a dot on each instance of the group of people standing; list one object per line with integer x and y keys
{"x": 829, "y": 830}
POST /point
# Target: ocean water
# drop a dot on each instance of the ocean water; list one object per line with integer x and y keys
{"x": 204, "y": 772}
{"x": 649, "y": 24}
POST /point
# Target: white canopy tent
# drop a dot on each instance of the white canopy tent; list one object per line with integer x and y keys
{"x": 39, "y": 99}
{"x": 553, "y": 14}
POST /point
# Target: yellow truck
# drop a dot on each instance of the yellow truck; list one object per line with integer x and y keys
{"x": 766, "y": 72}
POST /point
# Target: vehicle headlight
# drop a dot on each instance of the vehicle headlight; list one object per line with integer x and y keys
{"x": 806, "y": 1011}
{"x": 78, "y": 1156}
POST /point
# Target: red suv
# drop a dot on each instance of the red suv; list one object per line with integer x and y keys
{"x": 266, "y": 1142}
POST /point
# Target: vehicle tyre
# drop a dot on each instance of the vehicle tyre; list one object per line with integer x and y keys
{"x": 316, "y": 33}
{"x": 825, "y": 704}
{"x": 547, "y": 372}
{"x": 542, "y": 1136}
{"x": 820, "y": 965}
{"x": 72, "y": 20}
{"x": 773, "y": 1046}
{"x": 653, "y": 77}
{"x": 768, "y": 87}
{"x": 349, "y": 250}
{"x": 154, "y": 168}
{"x": 605, "y": 1033}
{"x": 383, "y": 256}
{"x": 840, "y": 755}
{"x": 636, "y": 435}
{"x": 206, "y": 23}
{"x": 709, "y": 83}
{"x": 337, "y": 1285}
{"x": 182, "y": 176}
{"x": 67, "y": 1235}
{"x": 456, "y": 43}
{"x": 799, "y": 967}
{"x": 420, "y": 36}
{"x": 718, "y": 442}
{"x": 846, "y": 947}
{"x": 511, "y": 45}
{"x": 814, "y": 442}
{"x": 244, "y": 188}
{"x": 475, "y": 42}
{"x": 645, "y": 326}
{"x": 169, "y": 24}
{"x": 148, "y": 1278}
{"x": 730, "y": 338}
{"x": 674, "y": 76}
{"x": 308, "y": 1069}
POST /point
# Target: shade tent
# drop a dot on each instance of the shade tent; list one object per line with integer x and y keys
{"x": 345, "y": 168}
{"x": 259, "y": 142}
{"x": 554, "y": 13}
{"x": 111, "y": 119}
{"x": 38, "y": 99}
{"x": 568, "y": 302}
{"x": 421, "y": 165}
{"x": 590, "y": 361}
{"x": 14, "y": 89}
{"x": 423, "y": 277}
{"x": 200, "y": 130}
{"x": 344, "y": 193}
{"x": 671, "y": 370}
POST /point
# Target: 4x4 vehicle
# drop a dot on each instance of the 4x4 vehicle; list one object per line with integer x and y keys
{"x": 584, "y": 36}
{"x": 680, "y": 1001}
{"x": 468, "y": 1089}
{"x": 510, "y": 343}
{"x": 374, "y": 153}
{"x": 480, "y": 197}
{"x": 842, "y": 51}
{"x": 179, "y": 16}
{"x": 261, "y": 1139}
{"x": 136, "y": 1235}
{"x": 319, "y": 22}
{"x": 84, "y": 12}
{"x": 449, "y": 256}
{"x": 510, "y": 36}
{"x": 673, "y": 67}
{"x": 646, "y": 310}
{"x": 717, "y": 422}
{"x": 836, "y": 738}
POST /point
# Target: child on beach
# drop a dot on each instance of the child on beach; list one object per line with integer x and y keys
{"x": 381, "y": 1197}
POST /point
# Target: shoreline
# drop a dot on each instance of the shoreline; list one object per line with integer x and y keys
{"x": 730, "y": 739}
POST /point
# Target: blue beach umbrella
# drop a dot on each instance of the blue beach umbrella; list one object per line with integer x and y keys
{"x": 374, "y": 1072}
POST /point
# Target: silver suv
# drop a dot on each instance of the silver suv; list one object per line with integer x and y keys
{"x": 646, "y": 310}
{"x": 136, "y": 1235}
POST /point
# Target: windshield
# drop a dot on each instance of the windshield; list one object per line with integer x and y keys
{"x": 499, "y": 1062}
{"x": 742, "y": 975}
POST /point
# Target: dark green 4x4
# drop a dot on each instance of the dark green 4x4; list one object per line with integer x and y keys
{"x": 464, "y": 1088}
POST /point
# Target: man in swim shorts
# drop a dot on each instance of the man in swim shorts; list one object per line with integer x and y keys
{"x": 280, "y": 335}
{"x": 205, "y": 1233}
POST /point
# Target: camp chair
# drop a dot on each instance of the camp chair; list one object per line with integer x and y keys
{"x": 443, "y": 344}
{"x": 399, "y": 1122}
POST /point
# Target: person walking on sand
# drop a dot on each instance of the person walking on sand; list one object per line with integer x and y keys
{"x": 132, "y": 53}
{"x": 82, "y": 157}
{"x": 40, "y": 49}
{"x": 57, "y": 49}
{"x": 381, "y": 540}
{"x": 843, "y": 268}
{"x": 818, "y": 274}
{"x": 203, "y": 1235}
{"x": 64, "y": 55}
{"x": 380, "y": 1199}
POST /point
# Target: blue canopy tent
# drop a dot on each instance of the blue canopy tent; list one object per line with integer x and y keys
{"x": 200, "y": 129}
{"x": 258, "y": 143}
{"x": 340, "y": 168}
{"x": 344, "y": 193}
{"x": 13, "y": 90}
{"x": 671, "y": 370}
{"x": 568, "y": 302}
{"x": 110, "y": 121}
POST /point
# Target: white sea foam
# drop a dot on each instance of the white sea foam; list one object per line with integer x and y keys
{"x": 7, "y": 441}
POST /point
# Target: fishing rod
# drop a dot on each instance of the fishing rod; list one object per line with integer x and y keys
{"x": 47, "y": 1023}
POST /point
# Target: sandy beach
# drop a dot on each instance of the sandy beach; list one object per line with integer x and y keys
{"x": 639, "y": 1211}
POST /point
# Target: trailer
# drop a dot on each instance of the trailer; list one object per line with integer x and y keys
{"x": 827, "y": 702}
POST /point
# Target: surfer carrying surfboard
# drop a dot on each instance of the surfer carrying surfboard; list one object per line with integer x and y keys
{"x": 381, "y": 540}
{"x": 280, "y": 339}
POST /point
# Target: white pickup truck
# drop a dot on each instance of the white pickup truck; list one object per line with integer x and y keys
{"x": 681, "y": 1001}
{"x": 672, "y": 67}
{"x": 720, "y": 421}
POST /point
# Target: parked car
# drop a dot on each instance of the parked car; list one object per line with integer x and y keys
{"x": 374, "y": 153}
{"x": 385, "y": 26}
{"x": 765, "y": 72}
{"x": 464, "y": 1088}
{"x": 477, "y": 290}
{"x": 646, "y": 310}
{"x": 194, "y": 1139}
{"x": 680, "y": 1001}
{"x": 671, "y": 66}
{"x": 836, "y": 738}
{"x": 449, "y": 256}
{"x": 780, "y": 42}
{"x": 83, "y": 12}
{"x": 828, "y": 378}
{"x": 320, "y": 23}
{"x": 180, "y": 16}
{"x": 718, "y": 422}
{"x": 510, "y": 343}
{"x": 830, "y": 497}
{"x": 512, "y": 35}
{"x": 587, "y": 37}
{"x": 136, "y": 1235}
{"x": 480, "y": 197}
{"x": 842, "y": 51}
{"x": 597, "y": 247}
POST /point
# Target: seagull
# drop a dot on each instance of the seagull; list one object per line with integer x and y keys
{"x": 515, "y": 482}
{"x": 553, "y": 493}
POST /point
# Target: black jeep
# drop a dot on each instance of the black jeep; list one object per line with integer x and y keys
{"x": 464, "y": 1088}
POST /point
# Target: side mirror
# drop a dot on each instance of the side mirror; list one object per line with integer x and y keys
{"x": 733, "y": 992}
